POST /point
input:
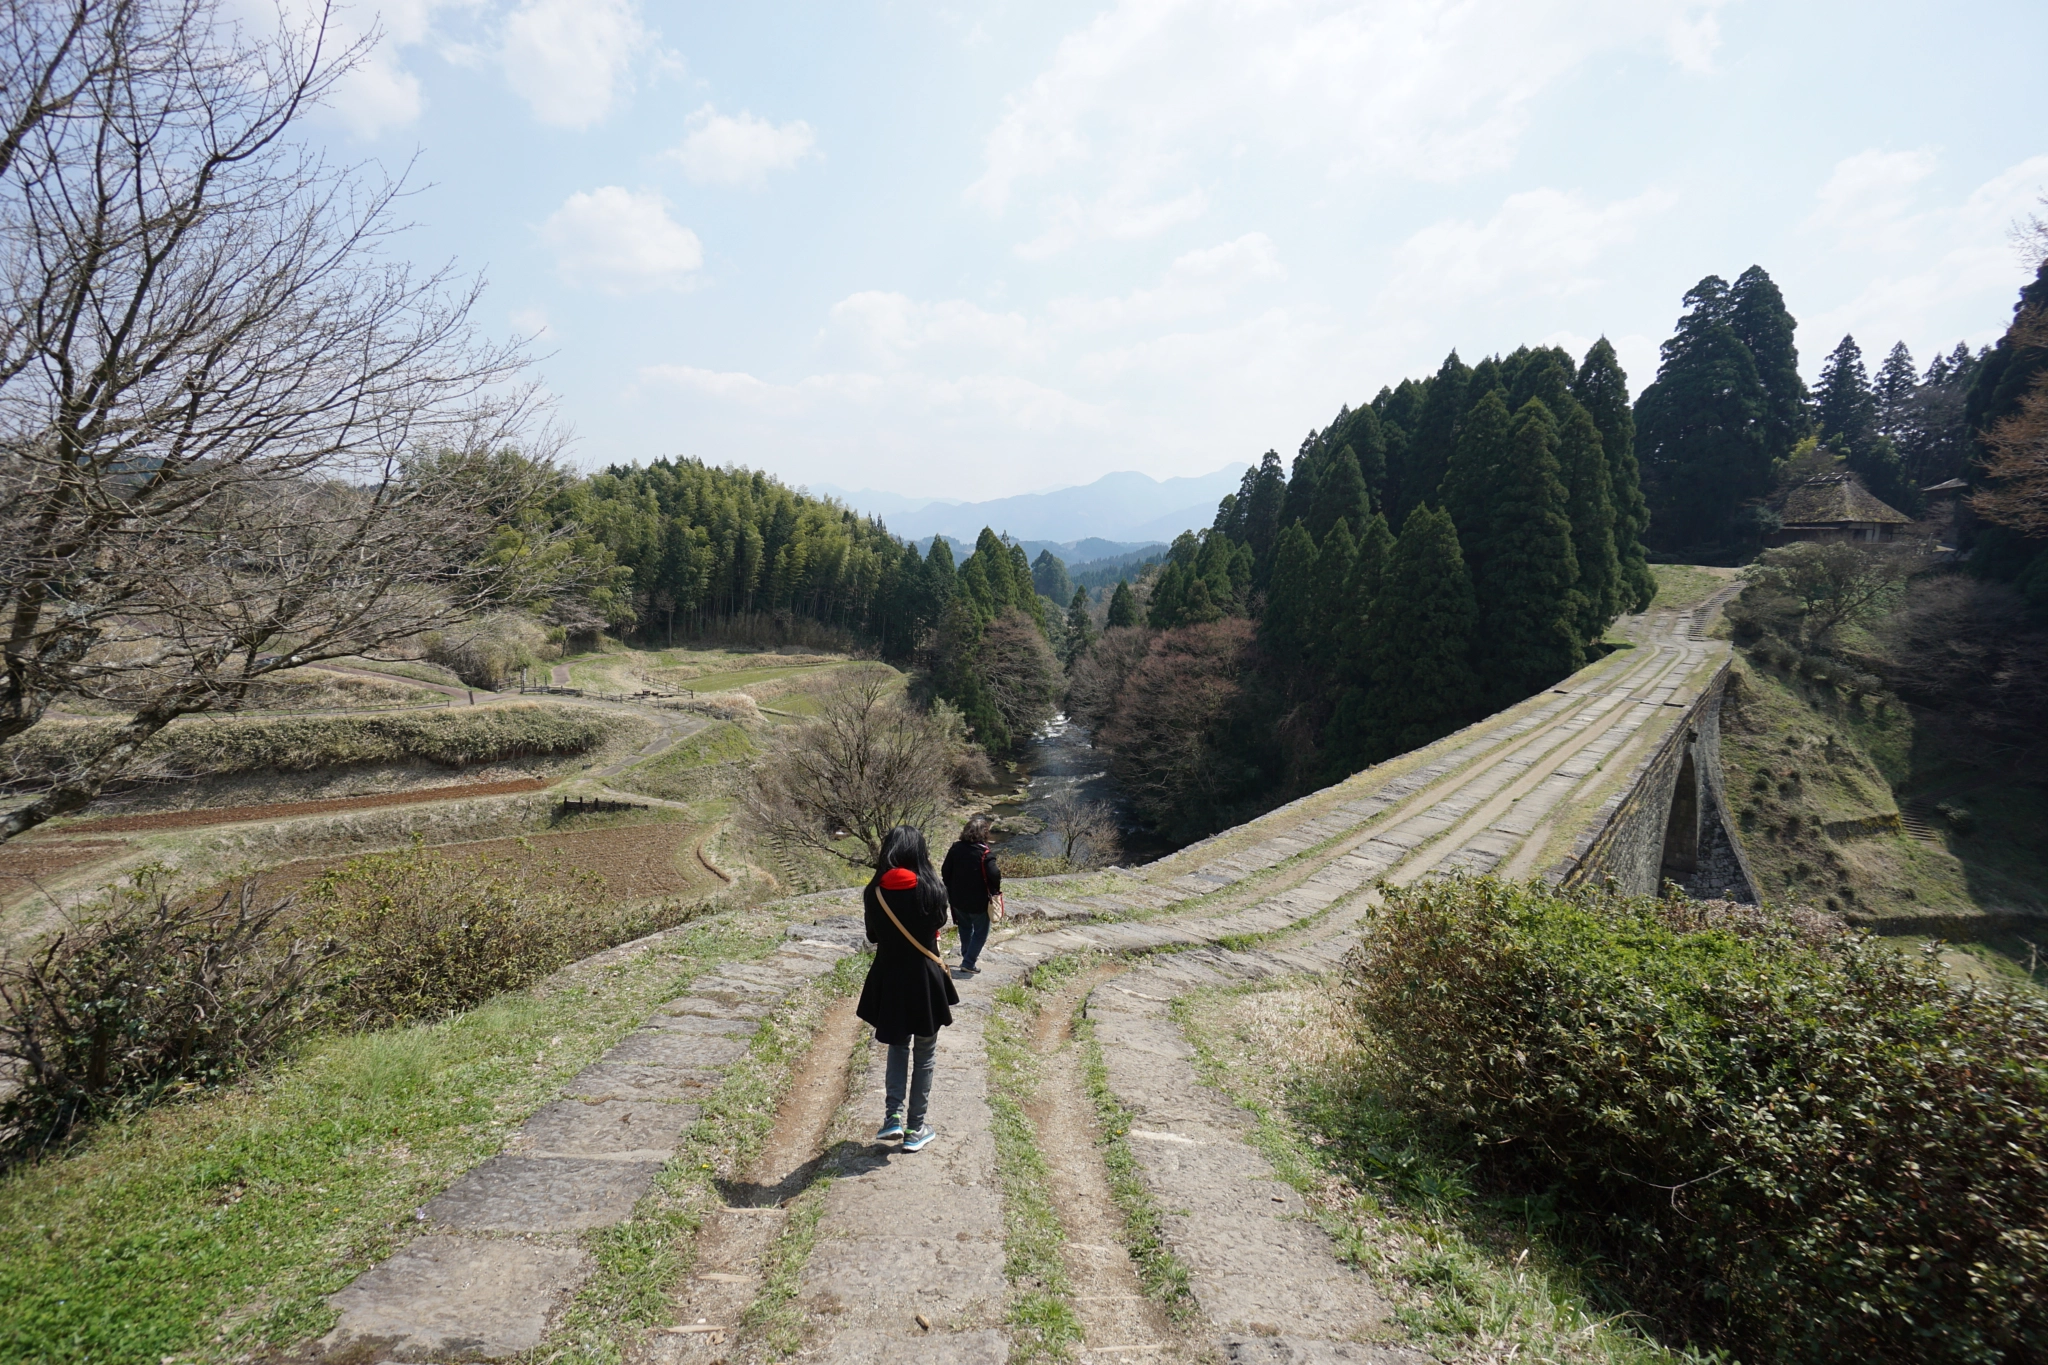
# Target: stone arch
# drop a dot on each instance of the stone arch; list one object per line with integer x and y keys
{"x": 1682, "y": 829}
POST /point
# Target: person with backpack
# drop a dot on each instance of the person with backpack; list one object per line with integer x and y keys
{"x": 908, "y": 995}
{"x": 974, "y": 884}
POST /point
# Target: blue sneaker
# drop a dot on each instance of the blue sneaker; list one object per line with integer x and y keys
{"x": 892, "y": 1128}
{"x": 919, "y": 1140}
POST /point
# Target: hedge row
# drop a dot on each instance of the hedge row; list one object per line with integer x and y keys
{"x": 1787, "y": 1149}
{"x": 210, "y": 746}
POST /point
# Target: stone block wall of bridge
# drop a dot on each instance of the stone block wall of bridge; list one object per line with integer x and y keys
{"x": 1669, "y": 821}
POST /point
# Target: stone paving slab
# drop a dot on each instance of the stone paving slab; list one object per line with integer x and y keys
{"x": 672, "y": 1047}
{"x": 443, "y": 1297}
{"x": 620, "y": 1130}
{"x": 543, "y": 1194}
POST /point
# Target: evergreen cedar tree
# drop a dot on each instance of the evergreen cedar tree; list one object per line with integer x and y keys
{"x": 1123, "y": 607}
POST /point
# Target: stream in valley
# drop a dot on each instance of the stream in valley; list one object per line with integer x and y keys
{"x": 1060, "y": 759}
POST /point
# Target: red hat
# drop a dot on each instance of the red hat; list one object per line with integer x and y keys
{"x": 898, "y": 879}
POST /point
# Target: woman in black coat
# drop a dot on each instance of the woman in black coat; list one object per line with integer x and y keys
{"x": 908, "y": 996}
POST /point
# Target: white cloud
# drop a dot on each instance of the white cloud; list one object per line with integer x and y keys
{"x": 571, "y": 60}
{"x": 1867, "y": 197}
{"x": 533, "y": 323}
{"x": 886, "y": 327}
{"x": 616, "y": 240}
{"x": 720, "y": 149}
{"x": 380, "y": 93}
{"x": 1198, "y": 282}
{"x": 1432, "y": 89}
{"x": 1961, "y": 275}
{"x": 1538, "y": 243}
{"x": 1009, "y": 400}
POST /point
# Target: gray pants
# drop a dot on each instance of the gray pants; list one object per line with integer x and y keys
{"x": 919, "y": 1080}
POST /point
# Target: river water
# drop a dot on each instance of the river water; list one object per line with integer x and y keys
{"x": 1058, "y": 759}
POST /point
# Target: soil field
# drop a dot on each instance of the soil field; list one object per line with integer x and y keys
{"x": 26, "y": 862}
{"x": 286, "y": 810}
{"x": 657, "y": 859}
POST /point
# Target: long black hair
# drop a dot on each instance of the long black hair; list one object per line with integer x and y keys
{"x": 904, "y": 846}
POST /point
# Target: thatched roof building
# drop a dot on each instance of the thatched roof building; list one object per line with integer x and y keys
{"x": 1836, "y": 507}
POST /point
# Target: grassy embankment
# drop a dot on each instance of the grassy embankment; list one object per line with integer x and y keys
{"x": 1467, "y": 1278}
{"x": 215, "y": 746}
{"x": 212, "y": 1229}
{"x": 1813, "y": 774}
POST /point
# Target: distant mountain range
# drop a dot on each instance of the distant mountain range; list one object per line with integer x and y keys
{"x": 1074, "y": 554}
{"x": 1130, "y": 508}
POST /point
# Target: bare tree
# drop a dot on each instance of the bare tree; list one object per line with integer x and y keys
{"x": 235, "y": 437}
{"x": 1086, "y": 830}
{"x": 2015, "y": 491}
{"x": 867, "y": 764}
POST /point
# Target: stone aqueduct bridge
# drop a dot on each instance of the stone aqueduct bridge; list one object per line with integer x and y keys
{"x": 1613, "y": 774}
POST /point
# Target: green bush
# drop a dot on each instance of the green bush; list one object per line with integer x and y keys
{"x": 145, "y": 996}
{"x": 213, "y": 747}
{"x": 1791, "y": 1149}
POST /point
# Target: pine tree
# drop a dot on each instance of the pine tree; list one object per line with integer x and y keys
{"x": 1894, "y": 390}
{"x": 1529, "y": 610}
{"x": 1123, "y": 607}
{"x": 1843, "y": 403}
{"x": 1544, "y": 372}
{"x": 1757, "y": 315}
{"x": 1435, "y": 436}
{"x": 1164, "y": 608}
{"x": 1331, "y": 608}
{"x": 1400, "y": 411}
{"x": 1368, "y": 575}
{"x": 1700, "y": 429}
{"x": 1285, "y": 628}
{"x": 1049, "y": 577}
{"x": 1602, "y": 389}
{"x": 1302, "y": 482}
{"x": 1369, "y": 566}
{"x": 1361, "y": 432}
{"x": 1591, "y": 510}
{"x": 1340, "y": 495}
{"x": 1262, "y": 514}
{"x": 1080, "y": 626}
{"x": 1420, "y": 653}
{"x": 1475, "y": 471}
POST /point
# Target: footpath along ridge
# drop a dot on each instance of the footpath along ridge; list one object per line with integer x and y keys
{"x": 907, "y": 1236}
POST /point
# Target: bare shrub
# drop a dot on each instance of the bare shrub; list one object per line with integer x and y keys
{"x": 868, "y": 763}
{"x": 427, "y": 935}
{"x": 1099, "y": 674}
{"x": 146, "y": 996}
{"x": 1086, "y": 831}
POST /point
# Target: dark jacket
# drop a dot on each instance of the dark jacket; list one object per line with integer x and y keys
{"x": 971, "y": 877}
{"x": 906, "y": 992}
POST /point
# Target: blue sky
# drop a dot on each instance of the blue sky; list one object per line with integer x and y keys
{"x": 966, "y": 251}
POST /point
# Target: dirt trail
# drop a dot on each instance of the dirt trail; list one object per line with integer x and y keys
{"x": 726, "y": 1275}
{"x": 1118, "y": 1319}
{"x": 287, "y": 810}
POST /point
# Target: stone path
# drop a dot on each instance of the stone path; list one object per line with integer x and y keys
{"x": 903, "y": 1235}
{"x": 499, "y": 1252}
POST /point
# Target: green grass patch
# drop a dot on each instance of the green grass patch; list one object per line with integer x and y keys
{"x": 1165, "y": 1276}
{"x": 773, "y": 1318}
{"x": 214, "y": 1229}
{"x": 1046, "y": 1327}
{"x": 1683, "y": 585}
{"x": 685, "y": 771}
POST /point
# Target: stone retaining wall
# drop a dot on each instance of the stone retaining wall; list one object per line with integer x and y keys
{"x": 1652, "y": 829}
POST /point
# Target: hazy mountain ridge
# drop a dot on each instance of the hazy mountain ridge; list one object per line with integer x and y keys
{"x": 1128, "y": 507}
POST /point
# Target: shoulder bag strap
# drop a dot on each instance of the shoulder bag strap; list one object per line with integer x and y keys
{"x": 883, "y": 900}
